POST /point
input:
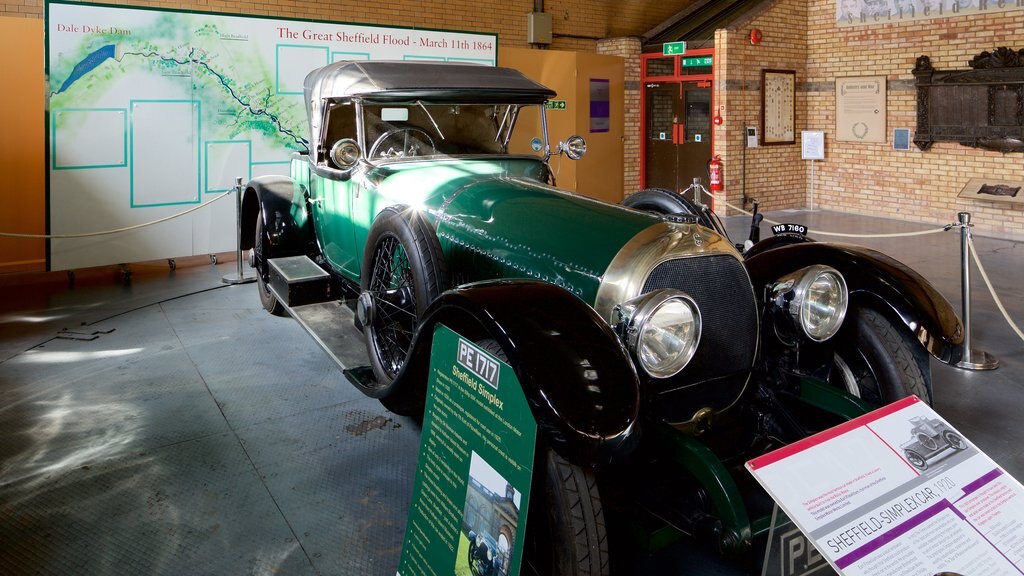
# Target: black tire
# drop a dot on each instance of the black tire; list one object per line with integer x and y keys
{"x": 879, "y": 361}
{"x": 404, "y": 271}
{"x": 664, "y": 201}
{"x": 954, "y": 440}
{"x": 915, "y": 459}
{"x": 566, "y": 535}
{"x": 259, "y": 262}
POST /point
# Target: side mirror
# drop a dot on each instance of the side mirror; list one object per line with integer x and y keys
{"x": 346, "y": 153}
{"x": 574, "y": 147}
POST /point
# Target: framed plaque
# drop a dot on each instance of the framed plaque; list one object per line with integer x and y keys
{"x": 778, "y": 107}
{"x": 860, "y": 109}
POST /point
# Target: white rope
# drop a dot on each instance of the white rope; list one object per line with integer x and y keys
{"x": 991, "y": 290}
{"x": 846, "y": 235}
{"x": 126, "y": 229}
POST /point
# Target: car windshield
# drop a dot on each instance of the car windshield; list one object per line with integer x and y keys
{"x": 423, "y": 129}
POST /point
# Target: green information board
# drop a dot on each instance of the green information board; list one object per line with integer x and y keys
{"x": 475, "y": 466}
{"x": 555, "y": 105}
{"x": 693, "y": 61}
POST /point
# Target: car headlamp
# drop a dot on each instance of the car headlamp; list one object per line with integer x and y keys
{"x": 814, "y": 299}
{"x": 345, "y": 153}
{"x": 661, "y": 329}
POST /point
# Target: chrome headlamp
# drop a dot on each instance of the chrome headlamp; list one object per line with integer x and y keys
{"x": 661, "y": 329}
{"x": 814, "y": 299}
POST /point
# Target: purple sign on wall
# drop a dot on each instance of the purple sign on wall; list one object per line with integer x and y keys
{"x": 600, "y": 105}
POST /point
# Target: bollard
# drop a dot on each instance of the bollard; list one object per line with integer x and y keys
{"x": 972, "y": 359}
{"x": 240, "y": 277}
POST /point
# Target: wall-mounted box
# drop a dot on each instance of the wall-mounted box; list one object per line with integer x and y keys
{"x": 538, "y": 28}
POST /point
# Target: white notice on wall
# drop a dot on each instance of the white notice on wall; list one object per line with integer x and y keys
{"x": 899, "y": 492}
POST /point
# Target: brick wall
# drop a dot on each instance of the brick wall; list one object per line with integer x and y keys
{"x": 770, "y": 174}
{"x": 629, "y": 49}
{"x": 864, "y": 178}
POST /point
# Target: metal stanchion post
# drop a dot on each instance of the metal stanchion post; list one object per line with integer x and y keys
{"x": 240, "y": 277}
{"x": 972, "y": 359}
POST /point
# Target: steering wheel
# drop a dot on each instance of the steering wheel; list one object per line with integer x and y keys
{"x": 408, "y": 144}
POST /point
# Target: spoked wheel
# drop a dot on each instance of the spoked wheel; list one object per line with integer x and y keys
{"x": 259, "y": 263}
{"x": 566, "y": 533}
{"x": 879, "y": 361}
{"x": 403, "y": 272}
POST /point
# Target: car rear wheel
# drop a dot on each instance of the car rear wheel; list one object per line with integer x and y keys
{"x": 879, "y": 361}
{"x": 259, "y": 261}
{"x": 566, "y": 535}
{"x": 403, "y": 272}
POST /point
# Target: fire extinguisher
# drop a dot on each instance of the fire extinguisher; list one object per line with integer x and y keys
{"x": 715, "y": 173}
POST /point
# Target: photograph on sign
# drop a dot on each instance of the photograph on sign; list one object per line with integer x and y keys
{"x": 488, "y": 521}
{"x": 899, "y": 492}
{"x": 860, "y": 109}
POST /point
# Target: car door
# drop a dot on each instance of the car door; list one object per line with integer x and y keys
{"x": 330, "y": 202}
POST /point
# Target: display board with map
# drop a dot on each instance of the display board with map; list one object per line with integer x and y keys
{"x": 152, "y": 112}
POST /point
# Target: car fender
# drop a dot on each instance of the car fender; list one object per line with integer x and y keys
{"x": 577, "y": 377}
{"x": 281, "y": 204}
{"x": 874, "y": 280}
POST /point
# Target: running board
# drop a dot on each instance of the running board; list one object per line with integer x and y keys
{"x": 331, "y": 326}
{"x": 297, "y": 280}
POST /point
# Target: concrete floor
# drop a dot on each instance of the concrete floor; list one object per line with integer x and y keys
{"x": 195, "y": 434}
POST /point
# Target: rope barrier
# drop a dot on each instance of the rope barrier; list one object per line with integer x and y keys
{"x": 125, "y": 229}
{"x": 851, "y": 235}
{"x": 974, "y": 254}
{"x": 992, "y": 291}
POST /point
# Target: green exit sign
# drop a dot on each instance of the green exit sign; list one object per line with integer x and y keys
{"x": 696, "y": 61}
{"x": 556, "y": 105}
{"x": 673, "y": 48}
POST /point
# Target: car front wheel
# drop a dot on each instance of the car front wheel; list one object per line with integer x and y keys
{"x": 403, "y": 272}
{"x": 879, "y": 361}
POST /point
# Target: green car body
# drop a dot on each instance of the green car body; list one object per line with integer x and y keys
{"x": 429, "y": 162}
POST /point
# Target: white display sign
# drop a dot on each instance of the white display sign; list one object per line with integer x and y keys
{"x": 812, "y": 145}
{"x": 899, "y": 492}
{"x": 152, "y": 112}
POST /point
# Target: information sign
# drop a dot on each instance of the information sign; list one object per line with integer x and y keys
{"x": 555, "y": 105}
{"x": 694, "y": 61}
{"x": 899, "y": 492}
{"x": 812, "y": 145}
{"x": 475, "y": 466}
{"x": 673, "y": 48}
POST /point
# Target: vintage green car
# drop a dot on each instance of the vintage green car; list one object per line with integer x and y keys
{"x": 426, "y": 196}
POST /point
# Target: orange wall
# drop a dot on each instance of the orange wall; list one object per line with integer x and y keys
{"x": 21, "y": 145}
{"x": 599, "y": 172}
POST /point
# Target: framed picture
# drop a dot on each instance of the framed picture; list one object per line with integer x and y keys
{"x": 778, "y": 107}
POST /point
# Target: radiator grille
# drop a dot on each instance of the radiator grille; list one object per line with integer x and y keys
{"x": 721, "y": 288}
